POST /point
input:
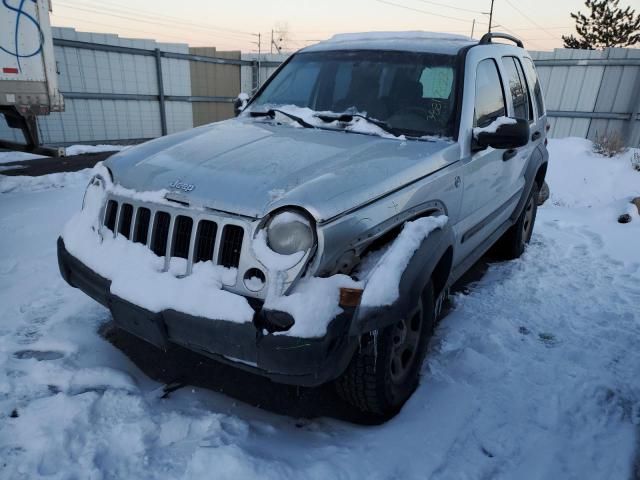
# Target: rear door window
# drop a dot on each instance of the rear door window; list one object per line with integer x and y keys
{"x": 534, "y": 84}
{"x": 517, "y": 88}
{"x": 489, "y": 103}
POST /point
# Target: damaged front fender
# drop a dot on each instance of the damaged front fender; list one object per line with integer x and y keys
{"x": 413, "y": 281}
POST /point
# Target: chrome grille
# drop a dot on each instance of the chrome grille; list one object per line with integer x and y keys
{"x": 181, "y": 235}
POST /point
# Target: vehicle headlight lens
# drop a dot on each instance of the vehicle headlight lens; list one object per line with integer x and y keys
{"x": 289, "y": 233}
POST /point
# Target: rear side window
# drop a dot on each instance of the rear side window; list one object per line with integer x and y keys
{"x": 489, "y": 94}
{"x": 534, "y": 84}
{"x": 517, "y": 88}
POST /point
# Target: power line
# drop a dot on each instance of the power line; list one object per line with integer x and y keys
{"x": 135, "y": 32}
{"x": 531, "y": 20}
{"x": 178, "y": 20}
{"x": 152, "y": 19}
{"x": 451, "y": 7}
{"x": 398, "y": 5}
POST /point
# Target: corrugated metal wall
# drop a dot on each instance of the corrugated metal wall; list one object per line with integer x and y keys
{"x": 212, "y": 80}
{"x": 89, "y": 71}
{"x": 591, "y": 92}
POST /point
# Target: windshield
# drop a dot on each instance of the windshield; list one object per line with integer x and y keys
{"x": 411, "y": 93}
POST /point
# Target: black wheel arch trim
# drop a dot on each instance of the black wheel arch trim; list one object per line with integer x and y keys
{"x": 412, "y": 283}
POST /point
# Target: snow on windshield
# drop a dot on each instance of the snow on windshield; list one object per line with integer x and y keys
{"x": 408, "y": 93}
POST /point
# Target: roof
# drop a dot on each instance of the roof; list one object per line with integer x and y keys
{"x": 432, "y": 42}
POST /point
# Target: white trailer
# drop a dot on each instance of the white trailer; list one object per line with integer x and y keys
{"x": 28, "y": 76}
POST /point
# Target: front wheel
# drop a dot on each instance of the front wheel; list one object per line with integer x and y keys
{"x": 512, "y": 244}
{"x": 385, "y": 371}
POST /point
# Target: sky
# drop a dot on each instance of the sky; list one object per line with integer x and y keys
{"x": 234, "y": 25}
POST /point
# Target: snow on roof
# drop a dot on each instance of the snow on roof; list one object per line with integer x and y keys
{"x": 436, "y": 42}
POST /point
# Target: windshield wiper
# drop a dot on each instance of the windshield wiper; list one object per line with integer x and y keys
{"x": 348, "y": 118}
{"x": 272, "y": 113}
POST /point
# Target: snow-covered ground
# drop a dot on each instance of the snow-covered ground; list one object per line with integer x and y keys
{"x": 533, "y": 375}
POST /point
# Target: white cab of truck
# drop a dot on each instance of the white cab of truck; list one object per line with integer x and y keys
{"x": 28, "y": 76}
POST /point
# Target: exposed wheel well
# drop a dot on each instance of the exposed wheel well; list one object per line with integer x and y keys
{"x": 541, "y": 174}
{"x": 441, "y": 273}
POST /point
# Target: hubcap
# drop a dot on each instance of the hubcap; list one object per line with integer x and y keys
{"x": 405, "y": 339}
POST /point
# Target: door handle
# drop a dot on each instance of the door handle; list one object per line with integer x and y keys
{"x": 509, "y": 154}
{"x": 535, "y": 136}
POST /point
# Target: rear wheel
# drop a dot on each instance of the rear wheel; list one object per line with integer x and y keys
{"x": 385, "y": 371}
{"x": 512, "y": 244}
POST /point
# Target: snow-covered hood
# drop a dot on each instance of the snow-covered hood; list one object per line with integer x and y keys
{"x": 250, "y": 167}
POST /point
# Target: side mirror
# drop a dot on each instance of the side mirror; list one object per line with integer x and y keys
{"x": 503, "y": 133}
{"x": 240, "y": 103}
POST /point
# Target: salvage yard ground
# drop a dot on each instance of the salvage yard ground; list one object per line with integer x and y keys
{"x": 532, "y": 375}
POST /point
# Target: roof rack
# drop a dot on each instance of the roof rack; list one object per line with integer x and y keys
{"x": 488, "y": 37}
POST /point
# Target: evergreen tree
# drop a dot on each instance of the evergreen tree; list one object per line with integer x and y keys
{"x": 607, "y": 25}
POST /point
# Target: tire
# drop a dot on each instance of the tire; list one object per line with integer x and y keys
{"x": 512, "y": 244}
{"x": 382, "y": 375}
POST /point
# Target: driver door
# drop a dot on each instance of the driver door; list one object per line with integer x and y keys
{"x": 486, "y": 177}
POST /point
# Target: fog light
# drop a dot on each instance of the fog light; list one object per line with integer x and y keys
{"x": 254, "y": 280}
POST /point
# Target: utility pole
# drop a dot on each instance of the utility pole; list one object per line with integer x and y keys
{"x": 473, "y": 27}
{"x": 260, "y": 54}
{"x": 491, "y": 16}
{"x": 259, "y": 44}
{"x": 274, "y": 43}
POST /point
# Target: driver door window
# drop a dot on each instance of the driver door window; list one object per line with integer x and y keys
{"x": 489, "y": 103}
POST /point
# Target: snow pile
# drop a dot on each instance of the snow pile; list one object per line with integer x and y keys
{"x": 80, "y": 149}
{"x": 44, "y": 182}
{"x": 493, "y": 126}
{"x": 578, "y": 177}
{"x": 313, "y": 303}
{"x": 383, "y": 281}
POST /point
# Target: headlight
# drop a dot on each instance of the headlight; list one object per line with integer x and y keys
{"x": 288, "y": 233}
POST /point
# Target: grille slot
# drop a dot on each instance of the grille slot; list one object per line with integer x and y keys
{"x": 160, "y": 233}
{"x": 232, "y": 237}
{"x": 126, "y": 215}
{"x": 110, "y": 214}
{"x": 182, "y": 236}
{"x": 142, "y": 225}
{"x": 205, "y": 241}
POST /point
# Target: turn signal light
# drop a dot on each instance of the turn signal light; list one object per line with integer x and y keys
{"x": 350, "y": 297}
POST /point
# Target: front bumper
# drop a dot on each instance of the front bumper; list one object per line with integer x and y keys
{"x": 282, "y": 358}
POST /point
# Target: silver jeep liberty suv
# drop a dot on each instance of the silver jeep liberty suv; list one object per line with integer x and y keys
{"x": 313, "y": 238}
